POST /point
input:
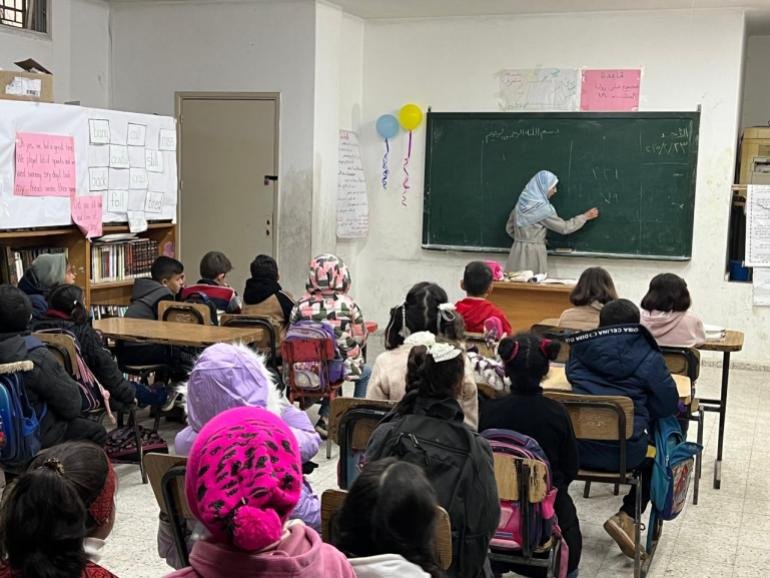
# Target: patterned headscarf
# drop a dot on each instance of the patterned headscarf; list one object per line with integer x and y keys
{"x": 328, "y": 274}
{"x": 533, "y": 205}
{"x": 244, "y": 477}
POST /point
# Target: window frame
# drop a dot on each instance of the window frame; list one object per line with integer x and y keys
{"x": 45, "y": 8}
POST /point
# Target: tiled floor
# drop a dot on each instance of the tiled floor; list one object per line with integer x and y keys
{"x": 726, "y": 534}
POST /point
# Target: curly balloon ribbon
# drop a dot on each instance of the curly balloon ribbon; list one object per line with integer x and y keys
{"x": 406, "y": 172}
{"x": 385, "y": 170}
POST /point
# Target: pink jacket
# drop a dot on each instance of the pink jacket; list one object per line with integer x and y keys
{"x": 674, "y": 328}
{"x": 301, "y": 554}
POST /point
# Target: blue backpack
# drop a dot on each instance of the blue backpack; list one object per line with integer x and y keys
{"x": 671, "y": 472}
{"x": 19, "y": 424}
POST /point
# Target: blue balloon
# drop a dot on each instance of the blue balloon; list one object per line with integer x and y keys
{"x": 387, "y": 126}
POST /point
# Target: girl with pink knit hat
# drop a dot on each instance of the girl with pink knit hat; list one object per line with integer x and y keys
{"x": 244, "y": 478}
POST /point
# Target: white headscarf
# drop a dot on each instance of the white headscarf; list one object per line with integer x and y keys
{"x": 533, "y": 205}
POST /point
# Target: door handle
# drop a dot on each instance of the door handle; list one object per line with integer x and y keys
{"x": 269, "y": 178}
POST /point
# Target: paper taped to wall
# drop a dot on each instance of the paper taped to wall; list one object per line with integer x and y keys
{"x": 761, "y": 282}
{"x": 352, "y": 202}
{"x": 538, "y": 89}
{"x": 758, "y": 226}
{"x": 45, "y": 165}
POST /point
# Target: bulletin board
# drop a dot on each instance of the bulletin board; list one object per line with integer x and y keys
{"x": 127, "y": 159}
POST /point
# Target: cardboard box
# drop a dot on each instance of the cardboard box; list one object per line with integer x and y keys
{"x": 20, "y": 85}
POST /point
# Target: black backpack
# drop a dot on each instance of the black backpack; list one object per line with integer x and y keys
{"x": 449, "y": 453}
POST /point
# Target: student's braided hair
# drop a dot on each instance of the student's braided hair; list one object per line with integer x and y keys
{"x": 526, "y": 357}
{"x": 420, "y": 312}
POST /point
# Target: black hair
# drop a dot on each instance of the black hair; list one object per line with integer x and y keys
{"x": 477, "y": 278}
{"x": 619, "y": 312}
{"x": 390, "y": 509}
{"x": 69, "y": 299}
{"x": 595, "y": 284}
{"x": 421, "y": 313}
{"x": 214, "y": 264}
{"x": 426, "y": 378}
{"x": 527, "y": 359}
{"x": 667, "y": 292}
{"x": 43, "y": 525}
{"x": 85, "y": 466}
{"x": 164, "y": 268}
{"x": 15, "y": 309}
{"x": 264, "y": 267}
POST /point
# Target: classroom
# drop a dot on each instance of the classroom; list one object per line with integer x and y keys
{"x": 529, "y": 239}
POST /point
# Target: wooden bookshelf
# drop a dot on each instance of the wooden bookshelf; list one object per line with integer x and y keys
{"x": 79, "y": 254}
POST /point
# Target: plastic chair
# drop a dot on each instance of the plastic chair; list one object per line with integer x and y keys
{"x": 608, "y": 418}
{"x": 331, "y": 504}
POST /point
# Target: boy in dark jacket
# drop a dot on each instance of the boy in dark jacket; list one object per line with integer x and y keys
{"x": 52, "y": 393}
{"x": 264, "y": 295}
{"x": 165, "y": 284}
{"x": 622, "y": 358}
{"x": 475, "y": 309}
{"x": 213, "y": 283}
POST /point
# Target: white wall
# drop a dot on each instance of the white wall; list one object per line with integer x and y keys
{"x": 689, "y": 58}
{"x": 76, "y": 51}
{"x": 159, "y": 48}
{"x": 756, "y": 82}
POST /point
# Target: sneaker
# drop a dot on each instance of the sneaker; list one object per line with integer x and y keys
{"x": 171, "y": 400}
{"x": 322, "y": 428}
{"x": 621, "y": 528}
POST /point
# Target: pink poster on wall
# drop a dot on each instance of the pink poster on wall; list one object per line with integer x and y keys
{"x": 610, "y": 89}
{"x": 87, "y": 215}
{"x": 45, "y": 165}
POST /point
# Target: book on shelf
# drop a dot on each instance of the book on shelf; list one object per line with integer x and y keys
{"x": 106, "y": 311}
{"x": 15, "y": 260}
{"x": 122, "y": 260}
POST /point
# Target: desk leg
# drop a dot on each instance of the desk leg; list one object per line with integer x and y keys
{"x": 722, "y": 416}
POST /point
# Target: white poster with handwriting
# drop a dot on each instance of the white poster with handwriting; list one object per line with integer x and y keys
{"x": 761, "y": 282}
{"x": 352, "y": 203}
{"x": 758, "y": 226}
{"x": 538, "y": 89}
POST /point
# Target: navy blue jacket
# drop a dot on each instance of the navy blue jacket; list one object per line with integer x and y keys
{"x": 622, "y": 360}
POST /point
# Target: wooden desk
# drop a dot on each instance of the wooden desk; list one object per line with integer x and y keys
{"x": 732, "y": 341}
{"x": 556, "y": 380}
{"x": 170, "y": 333}
{"x": 525, "y": 304}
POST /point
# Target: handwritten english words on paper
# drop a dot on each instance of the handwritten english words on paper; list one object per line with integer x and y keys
{"x": 87, "y": 215}
{"x": 153, "y": 202}
{"x": 45, "y": 165}
{"x": 99, "y": 131}
{"x": 136, "y": 134}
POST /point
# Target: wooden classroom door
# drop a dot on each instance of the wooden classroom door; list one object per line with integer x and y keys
{"x": 228, "y": 161}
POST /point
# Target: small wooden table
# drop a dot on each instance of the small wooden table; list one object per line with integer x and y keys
{"x": 525, "y": 304}
{"x": 556, "y": 380}
{"x": 170, "y": 333}
{"x": 732, "y": 341}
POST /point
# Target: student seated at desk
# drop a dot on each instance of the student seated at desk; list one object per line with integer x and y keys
{"x": 527, "y": 411}
{"x": 425, "y": 314}
{"x": 327, "y": 299}
{"x": 594, "y": 289}
{"x": 264, "y": 296}
{"x": 475, "y": 309}
{"x": 664, "y": 313}
{"x": 53, "y": 394}
{"x": 622, "y": 358}
{"x": 46, "y": 272}
{"x": 213, "y": 284}
{"x": 165, "y": 284}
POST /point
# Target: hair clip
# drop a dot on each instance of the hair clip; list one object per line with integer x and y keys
{"x": 441, "y": 352}
{"x": 404, "y": 329}
{"x": 446, "y": 312}
{"x": 514, "y": 352}
{"x": 544, "y": 346}
{"x": 53, "y": 464}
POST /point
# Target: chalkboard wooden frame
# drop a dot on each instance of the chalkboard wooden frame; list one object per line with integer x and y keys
{"x": 429, "y": 242}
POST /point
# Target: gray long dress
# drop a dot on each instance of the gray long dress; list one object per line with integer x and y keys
{"x": 528, "y": 251}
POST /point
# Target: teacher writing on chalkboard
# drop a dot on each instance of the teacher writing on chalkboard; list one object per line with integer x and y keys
{"x": 530, "y": 219}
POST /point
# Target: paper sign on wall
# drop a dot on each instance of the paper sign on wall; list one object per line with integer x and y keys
{"x": 87, "y": 215}
{"x": 117, "y": 201}
{"x": 761, "y": 282}
{"x": 758, "y": 226}
{"x": 352, "y": 203}
{"x": 153, "y": 160}
{"x": 137, "y": 179}
{"x": 136, "y": 134}
{"x": 99, "y": 131}
{"x": 119, "y": 156}
{"x": 45, "y": 165}
{"x": 610, "y": 89}
{"x": 167, "y": 139}
{"x": 153, "y": 202}
{"x": 98, "y": 179}
{"x": 538, "y": 89}
{"x": 137, "y": 222}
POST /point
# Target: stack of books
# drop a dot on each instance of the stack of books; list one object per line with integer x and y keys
{"x": 122, "y": 260}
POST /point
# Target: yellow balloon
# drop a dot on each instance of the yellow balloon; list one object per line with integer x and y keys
{"x": 410, "y": 116}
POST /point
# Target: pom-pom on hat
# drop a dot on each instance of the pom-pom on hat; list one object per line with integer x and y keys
{"x": 244, "y": 477}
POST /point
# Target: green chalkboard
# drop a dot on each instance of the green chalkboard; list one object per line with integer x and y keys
{"x": 637, "y": 168}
